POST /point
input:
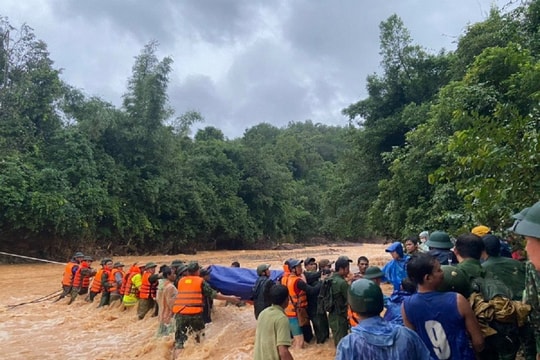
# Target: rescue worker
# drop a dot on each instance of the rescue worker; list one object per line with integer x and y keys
{"x": 97, "y": 284}
{"x": 260, "y": 291}
{"x": 132, "y": 286}
{"x": 107, "y": 283}
{"x": 440, "y": 246}
{"x": 81, "y": 281}
{"x": 395, "y": 270}
{"x": 208, "y": 302}
{"x": 529, "y": 227}
{"x": 118, "y": 278}
{"x": 146, "y": 300}
{"x": 337, "y": 318}
{"x": 298, "y": 302}
{"x": 374, "y": 337}
{"x": 188, "y": 306}
{"x": 504, "y": 342}
{"x": 69, "y": 274}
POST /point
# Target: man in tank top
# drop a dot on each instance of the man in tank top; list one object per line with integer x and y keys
{"x": 445, "y": 319}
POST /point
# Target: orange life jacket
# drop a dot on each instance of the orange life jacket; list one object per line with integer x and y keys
{"x": 112, "y": 280}
{"x": 286, "y": 273}
{"x": 96, "y": 283}
{"x": 79, "y": 280}
{"x": 297, "y": 299}
{"x": 189, "y": 300}
{"x": 144, "y": 293}
{"x": 67, "y": 279}
{"x": 353, "y": 320}
{"x": 127, "y": 287}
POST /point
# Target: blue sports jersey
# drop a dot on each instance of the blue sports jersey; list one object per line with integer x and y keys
{"x": 437, "y": 320}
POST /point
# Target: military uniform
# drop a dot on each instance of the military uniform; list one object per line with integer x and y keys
{"x": 532, "y": 297}
{"x": 191, "y": 323}
{"x": 337, "y": 318}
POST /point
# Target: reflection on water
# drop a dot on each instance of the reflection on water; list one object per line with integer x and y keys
{"x": 47, "y": 330}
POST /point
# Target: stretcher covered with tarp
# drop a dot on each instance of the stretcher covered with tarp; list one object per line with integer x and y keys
{"x": 236, "y": 281}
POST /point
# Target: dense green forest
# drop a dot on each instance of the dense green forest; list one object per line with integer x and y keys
{"x": 443, "y": 141}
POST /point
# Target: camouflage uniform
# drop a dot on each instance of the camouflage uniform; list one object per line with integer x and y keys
{"x": 532, "y": 297}
{"x": 186, "y": 324}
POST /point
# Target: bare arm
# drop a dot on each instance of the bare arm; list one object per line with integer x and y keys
{"x": 231, "y": 298}
{"x": 473, "y": 328}
{"x": 284, "y": 353}
{"x": 406, "y": 321}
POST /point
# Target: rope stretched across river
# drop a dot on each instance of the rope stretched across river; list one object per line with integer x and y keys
{"x": 32, "y": 258}
{"x": 39, "y": 299}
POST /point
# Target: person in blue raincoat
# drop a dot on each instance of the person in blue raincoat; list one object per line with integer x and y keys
{"x": 396, "y": 269}
{"x": 375, "y": 338}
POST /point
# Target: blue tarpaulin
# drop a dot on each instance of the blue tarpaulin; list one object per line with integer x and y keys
{"x": 236, "y": 281}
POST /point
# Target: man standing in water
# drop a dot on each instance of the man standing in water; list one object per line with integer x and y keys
{"x": 272, "y": 337}
{"x": 188, "y": 306}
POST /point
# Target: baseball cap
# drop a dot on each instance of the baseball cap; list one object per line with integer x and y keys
{"x": 309, "y": 260}
{"x": 342, "y": 262}
{"x": 324, "y": 263}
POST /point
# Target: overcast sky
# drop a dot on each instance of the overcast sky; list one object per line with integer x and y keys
{"x": 239, "y": 62}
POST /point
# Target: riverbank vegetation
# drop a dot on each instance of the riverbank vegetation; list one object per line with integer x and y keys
{"x": 443, "y": 140}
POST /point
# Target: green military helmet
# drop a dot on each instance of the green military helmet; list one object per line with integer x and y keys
{"x": 530, "y": 224}
{"x": 439, "y": 240}
{"x": 373, "y": 272}
{"x": 454, "y": 280}
{"x": 365, "y": 297}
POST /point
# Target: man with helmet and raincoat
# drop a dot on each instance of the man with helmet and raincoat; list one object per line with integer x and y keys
{"x": 374, "y": 337}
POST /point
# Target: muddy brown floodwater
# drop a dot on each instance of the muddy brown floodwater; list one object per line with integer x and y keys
{"x": 47, "y": 330}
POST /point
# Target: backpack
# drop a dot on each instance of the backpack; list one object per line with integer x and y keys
{"x": 325, "y": 300}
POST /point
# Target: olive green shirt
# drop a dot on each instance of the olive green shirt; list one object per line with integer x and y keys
{"x": 472, "y": 268}
{"x": 511, "y": 272}
{"x": 272, "y": 331}
{"x": 340, "y": 288}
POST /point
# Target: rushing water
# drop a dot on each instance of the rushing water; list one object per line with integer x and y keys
{"x": 48, "y": 330}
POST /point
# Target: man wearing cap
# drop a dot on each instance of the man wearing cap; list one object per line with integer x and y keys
{"x": 319, "y": 320}
{"x": 81, "y": 281}
{"x": 529, "y": 227}
{"x": 298, "y": 300}
{"x": 117, "y": 274}
{"x": 69, "y": 274}
{"x": 146, "y": 300}
{"x": 260, "y": 291}
{"x": 132, "y": 285}
{"x": 189, "y": 304}
{"x": 439, "y": 244}
{"x": 107, "y": 283}
{"x": 337, "y": 318}
{"x": 395, "y": 270}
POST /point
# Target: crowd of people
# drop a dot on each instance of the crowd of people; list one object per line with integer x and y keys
{"x": 463, "y": 298}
